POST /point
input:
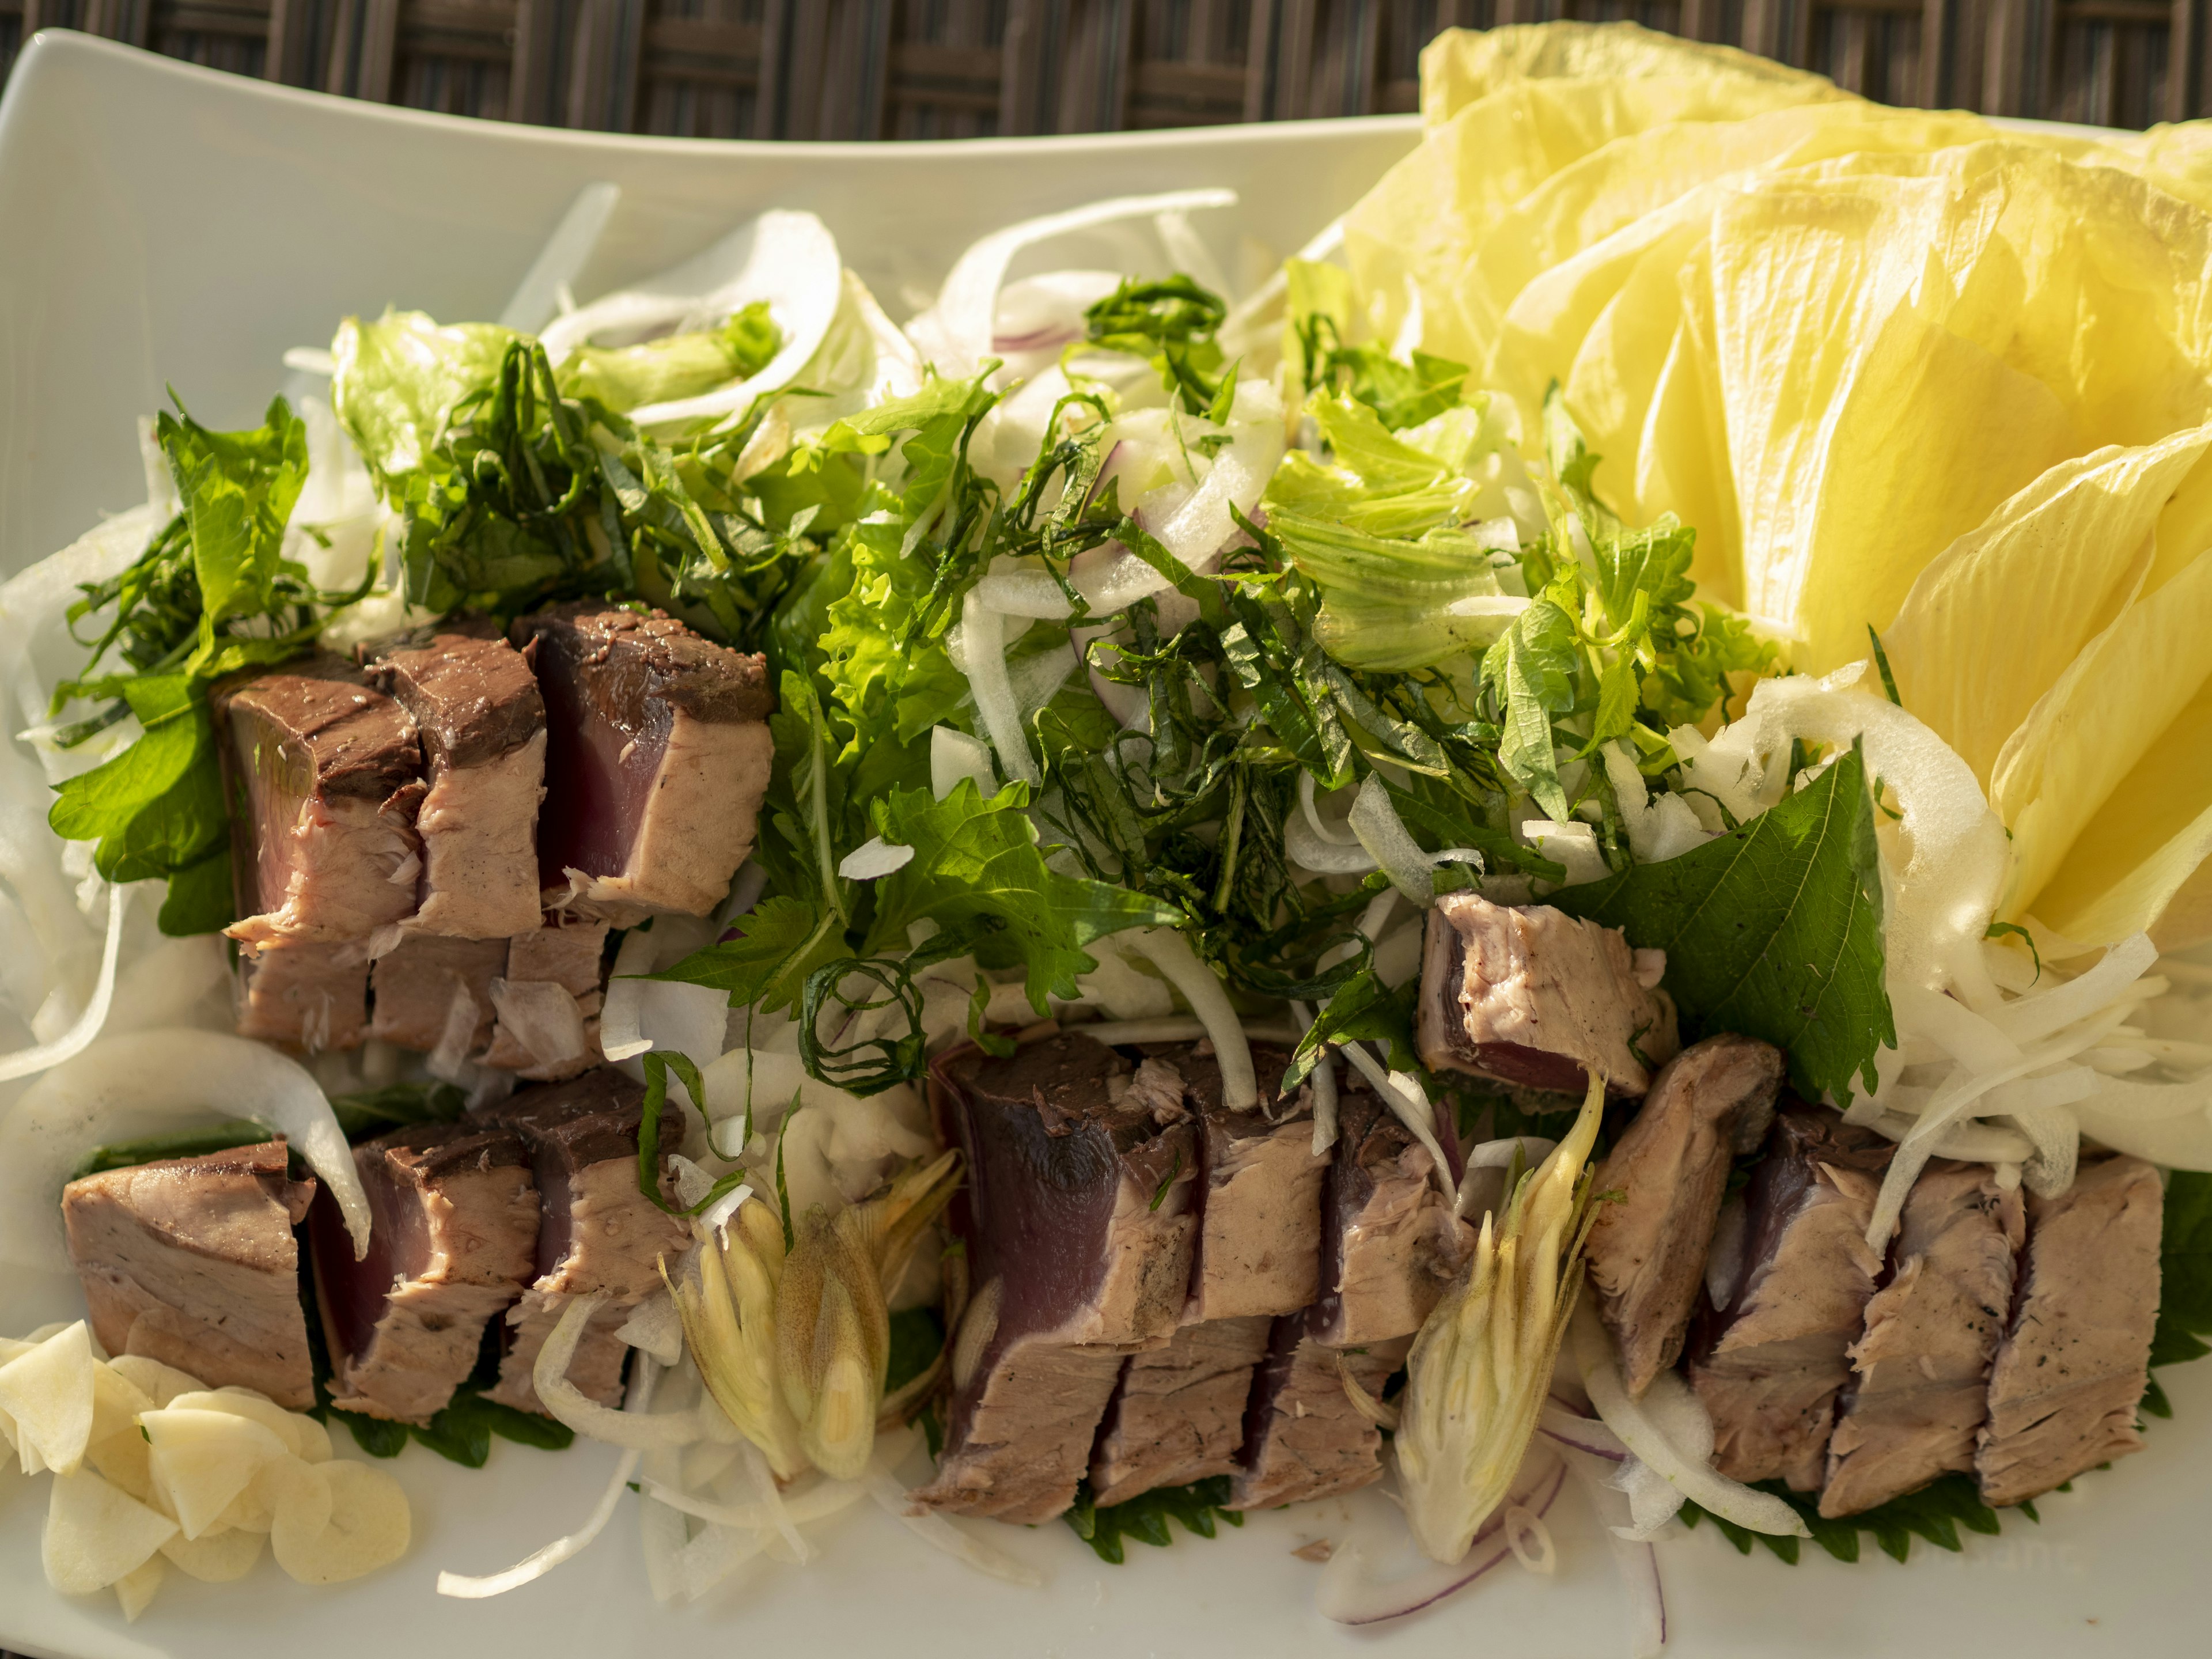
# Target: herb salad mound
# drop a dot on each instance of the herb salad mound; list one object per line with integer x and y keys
{"x": 1572, "y": 546}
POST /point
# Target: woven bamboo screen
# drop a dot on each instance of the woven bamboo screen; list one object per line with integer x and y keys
{"x": 927, "y": 69}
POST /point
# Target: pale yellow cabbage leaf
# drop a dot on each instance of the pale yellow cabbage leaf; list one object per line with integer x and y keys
{"x": 1649, "y": 171}
{"x": 1416, "y": 231}
{"x": 1462, "y": 65}
{"x": 1994, "y": 621}
{"x": 2141, "y": 865}
{"x": 2078, "y": 784}
{"x": 1864, "y": 433}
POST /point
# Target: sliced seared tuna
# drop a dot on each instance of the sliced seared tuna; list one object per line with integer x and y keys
{"x": 193, "y": 1262}
{"x": 1304, "y": 1437}
{"x": 598, "y": 1235}
{"x": 324, "y": 772}
{"x": 453, "y": 1243}
{"x": 1529, "y": 994}
{"x": 483, "y": 724}
{"x": 548, "y": 1001}
{"x": 1647, "y": 1250}
{"x": 658, "y": 759}
{"x": 432, "y": 994}
{"x": 1177, "y": 1414}
{"x": 1079, "y": 1220}
{"x": 1389, "y": 1242}
{"x": 2071, "y": 1369}
{"x": 1919, "y": 1386}
{"x": 1258, "y": 1247}
{"x": 1770, "y": 1361}
{"x": 308, "y": 994}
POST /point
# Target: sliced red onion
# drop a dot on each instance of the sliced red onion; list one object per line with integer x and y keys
{"x": 1578, "y": 1433}
{"x": 1349, "y": 1594}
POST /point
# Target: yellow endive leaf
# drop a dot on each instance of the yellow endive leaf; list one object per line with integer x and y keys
{"x": 2118, "y": 707}
{"x": 1991, "y": 623}
{"x": 1462, "y": 65}
{"x": 1430, "y": 214}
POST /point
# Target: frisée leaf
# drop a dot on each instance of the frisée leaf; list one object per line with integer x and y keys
{"x": 974, "y": 858}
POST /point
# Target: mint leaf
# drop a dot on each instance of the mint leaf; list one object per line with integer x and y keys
{"x": 977, "y": 859}
{"x": 1772, "y": 931}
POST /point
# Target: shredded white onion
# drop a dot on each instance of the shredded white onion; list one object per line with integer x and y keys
{"x": 536, "y": 300}
{"x": 1306, "y": 848}
{"x": 942, "y": 1533}
{"x": 1311, "y": 812}
{"x": 1639, "y": 1561}
{"x": 143, "y": 1083}
{"x": 634, "y": 1431}
{"x": 983, "y": 653}
{"x": 618, "y": 1034}
{"x": 1171, "y": 953}
{"x": 1324, "y": 1086}
{"x": 873, "y": 859}
{"x": 959, "y": 331}
{"x": 953, "y": 754}
{"x": 536, "y": 1564}
{"x": 1375, "y": 821}
{"x": 24, "y": 1061}
{"x": 1638, "y": 1431}
{"x": 789, "y": 259}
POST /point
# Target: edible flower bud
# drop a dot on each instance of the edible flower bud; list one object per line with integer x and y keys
{"x": 726, "y": 1294}
{"x": 832, "y": 1317}
{"x": 1482, "y": 1365}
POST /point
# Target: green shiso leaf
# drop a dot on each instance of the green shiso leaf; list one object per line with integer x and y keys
{"x": 2184, "y": 1306}
{"x": 1933, "y": 1514}
{"x": 1772, "y": 931}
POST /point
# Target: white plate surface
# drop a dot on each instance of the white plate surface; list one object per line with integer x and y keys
{"x": 160, "y": 226}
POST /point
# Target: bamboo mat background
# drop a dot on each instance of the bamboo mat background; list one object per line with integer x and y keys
{"x": 952, "y": 69}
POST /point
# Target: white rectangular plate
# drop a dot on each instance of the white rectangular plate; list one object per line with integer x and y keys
{"x": 163, "y": 226}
